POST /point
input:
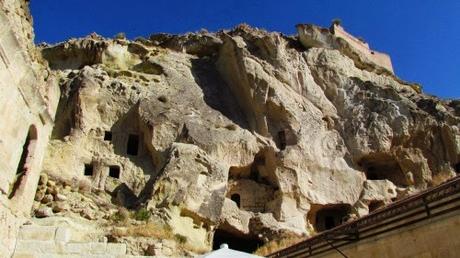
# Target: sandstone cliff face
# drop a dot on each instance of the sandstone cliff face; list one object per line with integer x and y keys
{"x": 245, "y": 132}
{"x": 28, "y": 101}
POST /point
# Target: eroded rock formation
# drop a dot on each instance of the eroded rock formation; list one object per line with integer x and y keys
{"x": 176, "y": 143}
{"x": 245, "y": 133}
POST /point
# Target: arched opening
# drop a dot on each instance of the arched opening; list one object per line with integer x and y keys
{"x": 254, "y": 184}
{"x": 240, "y": 243}
{"x": 26, "y": 159}
{"x": 236, "y": 199}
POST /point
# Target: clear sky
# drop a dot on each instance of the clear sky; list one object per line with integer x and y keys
{"x": 421, "y": 36}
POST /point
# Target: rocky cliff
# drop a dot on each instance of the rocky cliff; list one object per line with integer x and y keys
{"x": 241, "y": 134}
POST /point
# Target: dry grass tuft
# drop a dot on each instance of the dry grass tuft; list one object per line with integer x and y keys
{"x": 158, "y": 230}
{"x": 195, "y": 249}
{"x": 276, "y": 245}
{"x": 440, "y": 178}
{"x": 151, "y": 229}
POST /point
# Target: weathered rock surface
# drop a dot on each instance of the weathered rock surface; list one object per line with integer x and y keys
{"x": 177, "y": 142}
{"x": 252, "y": 133}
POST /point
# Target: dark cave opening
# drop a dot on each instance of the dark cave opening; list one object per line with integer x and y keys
{"x": 236, "y": 198}
{"x": 282, "y": 139}
{"x": 133, "y": 145}
{"x": 331, "y": 216}
{"x": 375, "y": 205}
{"x": 244, "y": 244}
{"x": 259, "y": 161}
{"x": 88, "y": 171}
{"x": 107, "y": 136}
{"x": 457, "y": 168}
{"x": 380, "y": 166}
{"x": 114, "y": 171}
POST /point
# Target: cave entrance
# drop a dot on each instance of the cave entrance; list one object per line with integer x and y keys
{"x": 257, "y": 164}
{"x": 236, "y": 198}
{"x": 285, "y": 137}
{"x": 235, "y": 242}
{"x": 88, "y": 170}
{"x": 457, "y": 168}
{"x": 382, "y": 166}
{"x": 375, "y": 205}
{"x": 107, "y": 136}
{"x": 114, "y": 171}
{"x": 133, "y": 145}
{"x": 282, "y": 139}
{"x": 331, "y": 216}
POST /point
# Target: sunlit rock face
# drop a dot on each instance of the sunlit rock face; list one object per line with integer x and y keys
{"x": 28, "y": 100}
{"x": 252, "y": 133}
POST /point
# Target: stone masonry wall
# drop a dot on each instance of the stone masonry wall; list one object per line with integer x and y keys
{"x": 436, "y": 237}
{"x": 378, "y": 58}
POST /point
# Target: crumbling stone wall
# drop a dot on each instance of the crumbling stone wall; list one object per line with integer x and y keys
{"x": 253, "y": 196}
{"x": 378, "y": 58}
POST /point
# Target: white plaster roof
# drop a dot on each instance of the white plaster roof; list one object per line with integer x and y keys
{"x": 225, "y": 252}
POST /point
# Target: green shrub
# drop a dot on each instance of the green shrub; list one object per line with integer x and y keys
{"x": 180, "y": 238}
{"x": 337, "y": 21}
{"x": 120, "y": 35}
{"x": 142, "y": 214}
{"x": 121, "y": 215}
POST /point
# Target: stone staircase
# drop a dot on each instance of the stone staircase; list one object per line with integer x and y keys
{"x": 36, "y": 241}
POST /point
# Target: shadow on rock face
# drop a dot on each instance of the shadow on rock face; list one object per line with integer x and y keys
{"x": 216, "y": 93}
{"x": 127, "y": 140}
{"x": 124, "y": 196}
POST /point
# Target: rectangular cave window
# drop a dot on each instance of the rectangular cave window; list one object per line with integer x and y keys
{"x": 236, "y": 198}
{"x": 114, "y": 171}
{"x": 107, "y": 136}
{"x": 282, "y": 139}
{"x": 133, "y": 144}
{"x": 88, "y": 170}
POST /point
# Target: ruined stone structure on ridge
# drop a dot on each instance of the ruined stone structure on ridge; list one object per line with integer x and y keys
{"x": 356, "y": 49}
{"x": 380, "y": 59}
{"x": 174, "y": 144}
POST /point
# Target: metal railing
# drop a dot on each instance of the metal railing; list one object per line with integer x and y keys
{"x": 428, "y": 204}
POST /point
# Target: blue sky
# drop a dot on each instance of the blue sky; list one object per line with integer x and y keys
{"x": 421, "y": 36}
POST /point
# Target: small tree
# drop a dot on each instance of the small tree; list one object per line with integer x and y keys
{"x": 120, "y": 35}
{"x": 142, "y": 214}
{"x": 337, "y": 21}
